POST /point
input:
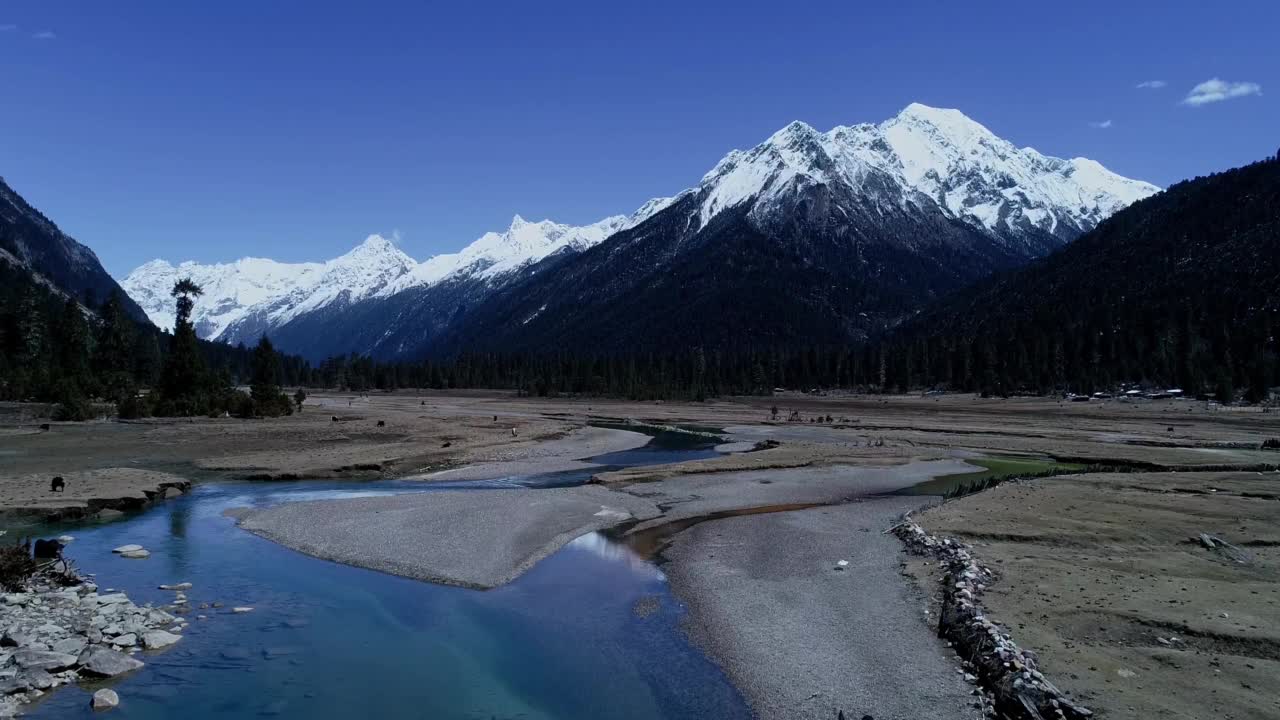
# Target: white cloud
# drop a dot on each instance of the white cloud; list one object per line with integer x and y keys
{"x": 1101, "y": 124}
{"x": 1217, "y": 90}
{"x": 44, "y": 35}
{"x": 1151, "y": 85}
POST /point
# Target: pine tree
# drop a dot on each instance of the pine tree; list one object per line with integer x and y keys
{"x": 182, "y": 381}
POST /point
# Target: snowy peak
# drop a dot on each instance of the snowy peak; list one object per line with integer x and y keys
{"x": 261, "y": 288}
{"x": 932, "y": 155}
{"x": 254, "y": 295}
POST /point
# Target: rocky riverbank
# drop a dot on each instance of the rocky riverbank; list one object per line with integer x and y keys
{"x": 55, "y": 634}
{"x": 1009, "y": 674}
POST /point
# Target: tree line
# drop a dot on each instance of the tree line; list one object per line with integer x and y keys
{"x": 59, "y": 349}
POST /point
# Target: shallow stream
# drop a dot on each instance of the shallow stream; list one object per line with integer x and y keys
{"x": 589, "y": 632}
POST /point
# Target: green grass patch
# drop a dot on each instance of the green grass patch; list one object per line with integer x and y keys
{"x": 996, "y": 469}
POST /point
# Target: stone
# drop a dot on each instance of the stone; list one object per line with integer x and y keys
{"x": 112, "y": 599}
{"x": 105, "y": 699}
{"x": 72, "y": 646}
{"x": 14, "y": 637}
{"x": 136, "y": 554}
{"x": 127, "y": 548}
{"x": 157, "y": 639}
{"x": 178, "y": 586}
{"x": 126, "y": 640}
{"x": 241, "y": 610}
{"x": 43, "y": 659}
{"x": 98, "y": 661}
{"x": 14, "y": 685}
{"x": 39, "y": 679}
{"x": 66, "y": 539}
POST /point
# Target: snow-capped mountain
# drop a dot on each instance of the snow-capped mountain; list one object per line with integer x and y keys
{"x": 931, "y": 153}
{"x": 809, "y": 236}
{"x": 250, "y": 296}
{"x": 497, "y": 254}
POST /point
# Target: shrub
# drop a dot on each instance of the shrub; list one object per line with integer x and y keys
{"x": 16, "y": 567}
{"x": 73, "y": 409}
{"x": 132, "y": 407}
{"x": 1271, "y": 443}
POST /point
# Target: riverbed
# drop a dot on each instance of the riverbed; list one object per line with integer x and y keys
{"x": 592, "y": 631}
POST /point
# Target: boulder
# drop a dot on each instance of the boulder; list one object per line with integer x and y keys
{"x": 72, "y": 646}
{"x": 14, "y": 637}
{"x": 241, "y": 610}
{"x": 126, "y": 548}
{"x": 125, "y": 640}
{"x": 98, "y": 661}
{"x": 38, "y": 679}
{"x": 105, "y": 699}
{"x": 179, "y": 586}
{"x": 157, "y": 639}
{"x": 28, "y": 659}
{"x": 136, "y": 554}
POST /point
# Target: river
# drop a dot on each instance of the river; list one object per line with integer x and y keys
{"x": 590, "y": 632}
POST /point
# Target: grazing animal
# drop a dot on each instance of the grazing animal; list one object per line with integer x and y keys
{"x": 448, "y": 444}
{"x": 48, "y": 550}
{"x": 335, "y": 418}
{"x": 382, "y": 423}
{"x": 495, "y": 418}
{"x": 44, "y": 426}
{"x": 57, "y": 484}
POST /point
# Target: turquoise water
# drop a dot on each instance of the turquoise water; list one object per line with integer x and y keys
{"x": 325, "y": 640}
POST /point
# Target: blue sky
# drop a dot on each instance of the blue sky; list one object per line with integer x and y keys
{"x": 293, "y": 129}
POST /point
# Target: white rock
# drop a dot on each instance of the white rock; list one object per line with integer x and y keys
{"x": 105, "y": 699}
{"x": 136, "y": 554}
{"x": 178, "y": 586}
{"x": 156, "y": 639}
{"x": 127, "y": 548}
{"x": 126, "y": 640}
{"x": 240, "y": 610}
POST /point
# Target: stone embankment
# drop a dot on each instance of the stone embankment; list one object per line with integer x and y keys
{"x": 1008, "y": 673}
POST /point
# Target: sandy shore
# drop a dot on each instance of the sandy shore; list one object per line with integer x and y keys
{"x": 487, "y": 538}
{"x": 556, "y": 455}
{"x": 1100, "y": 576}
{"x": 99, "y": 492}
{"x": 803, "y": 639}
{"x": 479, "y": 539}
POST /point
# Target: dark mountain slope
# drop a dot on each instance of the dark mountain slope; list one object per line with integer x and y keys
{"x": 1181, "y": 288}
{"x": 33, "y": 241}
{"x": 829, "y": 267}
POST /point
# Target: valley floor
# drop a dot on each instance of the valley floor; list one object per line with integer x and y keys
{"x": 1095, "y": 569}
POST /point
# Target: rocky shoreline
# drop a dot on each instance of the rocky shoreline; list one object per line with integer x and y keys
{"x": 55, "y": 634}
{"x": 1008, "y": 673}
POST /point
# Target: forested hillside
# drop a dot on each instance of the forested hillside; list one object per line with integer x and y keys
{"x": 1182, "y": 288}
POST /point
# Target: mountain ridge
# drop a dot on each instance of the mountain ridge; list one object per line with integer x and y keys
{"x": 926, "y": 182}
